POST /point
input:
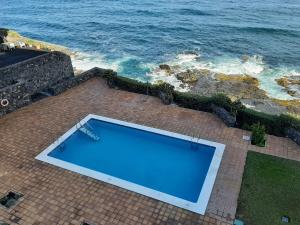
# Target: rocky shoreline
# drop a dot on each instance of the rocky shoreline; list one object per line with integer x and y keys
{"x": 203, "y": 81}
{"x": 243, "y": 87}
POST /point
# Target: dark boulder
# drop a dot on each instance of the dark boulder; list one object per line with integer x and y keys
{"x": 188, "y": 76}
{"x": 293, "y": 134}
{"x": 3, "y": 35}
{"x": 224, "y": 115}
{"x": 165, "y": 67}
{"x": 166, "y": 98}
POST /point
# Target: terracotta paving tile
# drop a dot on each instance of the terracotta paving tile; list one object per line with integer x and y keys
{"x": 55, "y": 196}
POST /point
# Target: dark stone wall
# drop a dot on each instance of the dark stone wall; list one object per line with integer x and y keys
{"x": 38, "y": 72}
{"x": 20, "y": 81}
{"x": 16, "y": 95}
{"x": 51, "y": 73}
{"x": 62, "y": 86}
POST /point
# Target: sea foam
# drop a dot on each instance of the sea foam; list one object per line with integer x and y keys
{"x": 246, "y": 65}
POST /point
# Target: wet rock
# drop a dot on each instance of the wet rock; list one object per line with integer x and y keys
{"x": 165, "y": 67}
{"x": 292, "y": 93}
{"x": 245, "y": 58}
{"x": 2, "y": 39}
{"x": 234, "y": 86}
{"x": 3, "y": 34}
{"x": 291, "y": 85}
{"x": 264, "y": 105}
{"x": 291, "y": 106}
{"x": 188, "y": 76}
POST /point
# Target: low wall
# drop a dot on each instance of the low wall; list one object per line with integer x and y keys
{"x": 52, "y": 73}
{"x": 16, "y": 97}
{"x": 20, "y": 81}
{"x": 62, "y": 86}
{"x": 38, "y": 72}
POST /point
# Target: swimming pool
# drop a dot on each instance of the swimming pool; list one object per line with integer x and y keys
{"x": 166, "y": 166}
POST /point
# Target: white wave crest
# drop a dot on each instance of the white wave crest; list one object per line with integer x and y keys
{"x": 247, "y": 65}
{"x": 86, "y": 61}
{"x": 157, "y": 76}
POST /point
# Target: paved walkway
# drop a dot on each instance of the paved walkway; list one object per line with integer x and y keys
{"x": 56, "y": 196}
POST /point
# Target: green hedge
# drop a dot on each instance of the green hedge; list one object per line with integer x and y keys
{"x": 192, "y": 101}
{"x": 273, "y": 124}
{"x": 287, "y": 120}
{"x": 247, "y": 117}
{"x": 131, "y": 85}
{"x": 203, "y": 103}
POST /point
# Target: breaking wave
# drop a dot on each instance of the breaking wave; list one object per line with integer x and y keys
{"x": 246, "y": 65}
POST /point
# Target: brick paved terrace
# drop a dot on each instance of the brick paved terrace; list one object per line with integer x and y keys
{"x": 56, "y": 196}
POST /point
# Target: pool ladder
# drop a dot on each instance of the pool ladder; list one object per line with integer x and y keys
{"x": 194, "y": 146}
{"x": 87, "y": 130}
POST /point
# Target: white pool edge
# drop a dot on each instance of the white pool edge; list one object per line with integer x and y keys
{"x": 204, "y": 196}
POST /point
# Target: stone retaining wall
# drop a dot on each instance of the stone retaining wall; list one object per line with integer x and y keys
{"x": 16, "y": 95}
{"x": 50, "y": 73}
{"x": 65, "y": 84}
{"x": 38, "y": 72}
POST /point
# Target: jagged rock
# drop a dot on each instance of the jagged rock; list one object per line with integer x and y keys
{"x": 3, "y": 34}
{"x": 264, "y": 105}
{"x": 286, "y": 81}
{"x": 166, "y": 98}
{"x": 188, "y": 76}
{"x": 292, "y": 106}
{"x": 165, "y": 67}
{"x": 292, "y": 92}
{"x": 234, "y": 86}
{"x": 291, "y": 85}
{"x": 224, "y": 115}
{"x": 2, "y": 39}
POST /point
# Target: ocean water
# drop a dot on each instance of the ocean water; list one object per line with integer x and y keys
{"x": 135, "y": 36}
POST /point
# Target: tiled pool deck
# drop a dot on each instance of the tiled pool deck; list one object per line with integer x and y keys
{"x": 55, "y": 196}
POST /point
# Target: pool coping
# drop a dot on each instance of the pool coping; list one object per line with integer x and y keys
{"x": 204, "y": 196}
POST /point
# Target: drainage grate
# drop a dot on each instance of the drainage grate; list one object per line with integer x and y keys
{"x": 10, "y": 199}
{"x": 86, "y": 223}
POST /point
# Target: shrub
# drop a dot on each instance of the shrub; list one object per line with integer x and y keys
{"x": 258, "y": 135}
{"x": 165, "y": 92}
{"x": 131, "y": 85}
{"x": 272, "y": 125}
{"x": 225, "y": 102}
{"x": 204, "y": 103}
{"x": 289, "y": 121}
{"x": 192, "y": 101}
{"x": 162, "y": 90}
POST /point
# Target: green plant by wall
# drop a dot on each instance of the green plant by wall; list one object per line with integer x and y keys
{"x": 246, "y": 117}
{"x": 258, "y": 136}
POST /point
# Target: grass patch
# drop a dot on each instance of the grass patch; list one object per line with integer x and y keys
{"x": 270, "y": 190}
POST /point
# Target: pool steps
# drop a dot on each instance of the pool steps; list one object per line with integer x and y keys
{"x": 89, "y": 133}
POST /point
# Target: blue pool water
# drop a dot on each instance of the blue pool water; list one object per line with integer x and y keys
{"x": 169, "y": 165}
